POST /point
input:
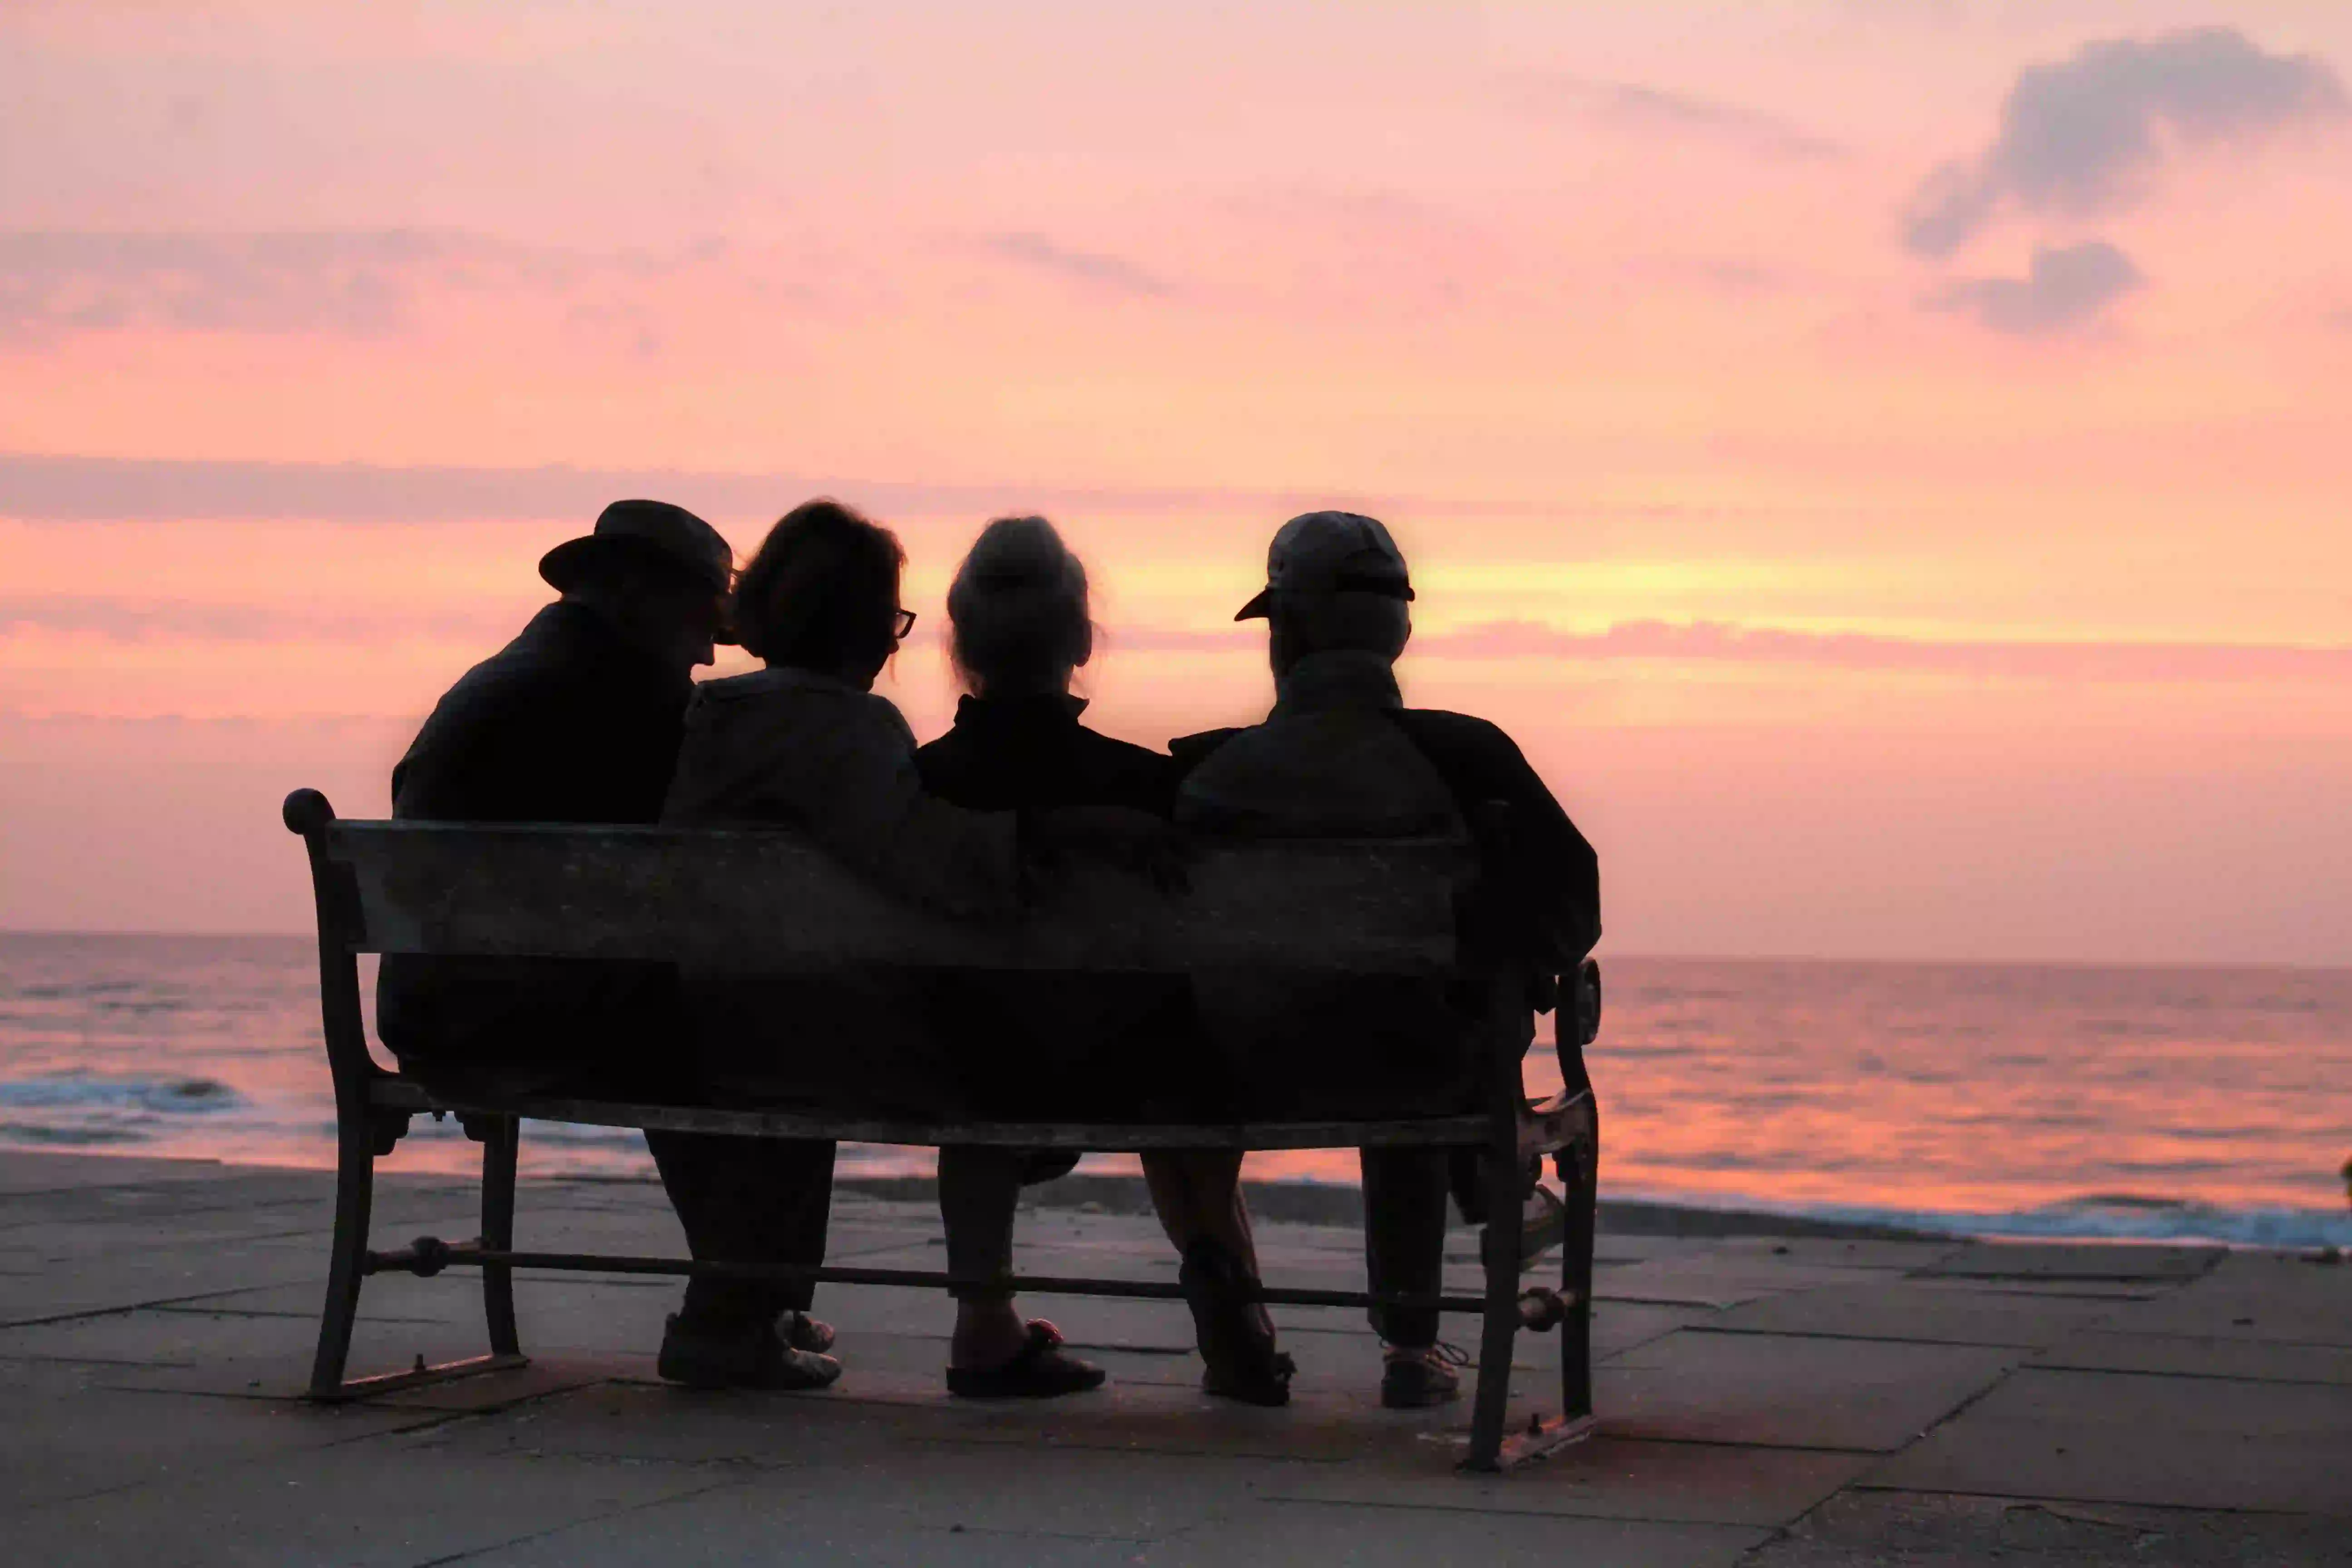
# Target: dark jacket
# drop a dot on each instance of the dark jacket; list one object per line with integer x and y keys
{"x": 1547, "y": 870}
{"x": 1340, "y": 755}
{"x": 1027, "y": 753}
{"x": 1077, "y": 1047}
{"x": 568, "y": 722}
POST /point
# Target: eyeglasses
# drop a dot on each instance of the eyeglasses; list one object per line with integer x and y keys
{"x": 904, "y": 625}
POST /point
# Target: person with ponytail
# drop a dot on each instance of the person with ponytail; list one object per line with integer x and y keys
{"x": 1077, "y": 1047}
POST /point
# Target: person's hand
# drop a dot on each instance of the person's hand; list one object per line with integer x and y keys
{"x": 1131, "y": 840}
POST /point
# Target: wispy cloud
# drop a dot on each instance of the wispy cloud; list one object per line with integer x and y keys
{"x": 358, "y": 283}
{"x": 349, "y": 283}
{"x": 2081, "y": 136}
{"x": 1717, "y": 642}
{"x": 2064, "y": 288}
{"x": 1095, "y": 268}
{"x": 141, "y": 620}
{"x": 1636, "y": 106}
{"x": 49, "y": 488}
{"x": 2128, "y": 662}
{"x": 147, "y": 620}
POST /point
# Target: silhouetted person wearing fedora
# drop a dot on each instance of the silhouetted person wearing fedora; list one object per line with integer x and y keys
{"x": 1342, "y": 756}
{"x": 579, "y": 720}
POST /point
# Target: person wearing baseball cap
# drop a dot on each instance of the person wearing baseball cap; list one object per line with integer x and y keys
{"x": 1340, "y": 755}
{"x": 579, "y": 719}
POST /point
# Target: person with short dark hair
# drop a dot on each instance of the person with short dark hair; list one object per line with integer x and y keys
{"x": 1096, "y": 1047}
{"x": 806, "y": 743}
{"x": 1342, "y": 756}
{"x": 579, "y": 720}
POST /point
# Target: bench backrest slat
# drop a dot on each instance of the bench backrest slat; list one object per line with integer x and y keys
{"x": 768, "y": 900}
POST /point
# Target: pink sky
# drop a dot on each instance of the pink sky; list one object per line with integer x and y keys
{"x": 1878, "y": 560}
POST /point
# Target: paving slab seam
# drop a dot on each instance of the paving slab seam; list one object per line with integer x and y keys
{"x": 181, "y": 1308}
{"x": 159, "y": 1303}
{"x": 2273, "y": 1380}
{"x": 1600, "y": 1300}
{"x": 2046, "y": 1499}
{"x": 473, "y": 1551}
{"x": 1099, "y": 1445}
{"x": 1004, "y": 1533}
{"x": 13, "y": 1356}
{"x": 2215, "y": 1339}
{"x": 1400, "y": 1507}
{"x": 1735, "y": 1331}
{"x": 425, "y": 1421}
{"x": 736, "y": 1468}
{"x": 1668, "y": 1440}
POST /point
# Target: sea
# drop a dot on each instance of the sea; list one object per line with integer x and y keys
{"x": 1995, "y": 1099}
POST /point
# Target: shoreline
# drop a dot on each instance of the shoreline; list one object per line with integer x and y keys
{"x": 2090, "y": 1220}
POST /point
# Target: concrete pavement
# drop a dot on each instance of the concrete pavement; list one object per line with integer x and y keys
{"x": 1783, "y": 1402}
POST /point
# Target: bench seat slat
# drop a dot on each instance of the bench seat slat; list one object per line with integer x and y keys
{"x": 764, "y": 900}
{"x": 400, "y": 1094}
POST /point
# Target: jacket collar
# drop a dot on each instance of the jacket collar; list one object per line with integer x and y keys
{"x": 1051, "y": 709}
{"x": 778, "y": 677}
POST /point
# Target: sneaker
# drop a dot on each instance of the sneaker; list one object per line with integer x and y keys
{"x": 1418, "y": 1376}
{"x": 803, "y": 1332}
{"x": 699, "y": 1356}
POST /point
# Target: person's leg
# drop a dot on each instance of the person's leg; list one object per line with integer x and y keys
{"x": 1197, "y": 1194}
{"x": 1405, "y": 1237}
{"x": 995, "y": 1353}
{"x": 979, "y": 1189}
{"x": 747, "y": 1200}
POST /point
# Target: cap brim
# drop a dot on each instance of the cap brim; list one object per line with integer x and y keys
{"x": 1256, "y": 609}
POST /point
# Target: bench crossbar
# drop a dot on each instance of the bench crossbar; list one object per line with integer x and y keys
{"x": 431, "y": 1255}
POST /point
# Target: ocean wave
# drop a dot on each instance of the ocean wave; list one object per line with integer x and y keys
{"x": 2092, "y": 1217}
{"x": 43, "y": 1135}
{"x": 100, "y": 1092}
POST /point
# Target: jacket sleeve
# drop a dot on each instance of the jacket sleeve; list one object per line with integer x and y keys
{"x": 854, "y": 788}
{"x": 1556, "y": 871}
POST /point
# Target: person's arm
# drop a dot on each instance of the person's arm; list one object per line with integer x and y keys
{"x": 853, "y": 786}
{"x": 475, "y": 759}
{"x": 1554, "y": 868}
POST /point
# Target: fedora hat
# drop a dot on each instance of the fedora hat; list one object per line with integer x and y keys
{"x": 647, "y": 536}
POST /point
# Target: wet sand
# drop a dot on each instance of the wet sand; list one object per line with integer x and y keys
{"x": 1767, "y": 1399}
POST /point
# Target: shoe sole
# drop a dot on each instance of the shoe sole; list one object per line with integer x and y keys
{"x": 1392, "y": 1400}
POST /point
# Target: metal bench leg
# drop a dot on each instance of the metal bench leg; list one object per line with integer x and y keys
{"x": 354, "y": 1196}
{"x": 501, "y": 1141}
{"x": 1583, "y": 1160}
{"x": 1498, "y": 1246}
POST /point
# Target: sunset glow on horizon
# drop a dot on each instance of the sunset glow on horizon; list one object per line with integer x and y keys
{"x": 1885, "y": 464}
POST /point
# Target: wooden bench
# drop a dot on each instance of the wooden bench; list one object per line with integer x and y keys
{"x": 765, "y": 900}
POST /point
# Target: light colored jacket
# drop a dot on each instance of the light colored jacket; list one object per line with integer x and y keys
{"x": 797, "y": 748}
